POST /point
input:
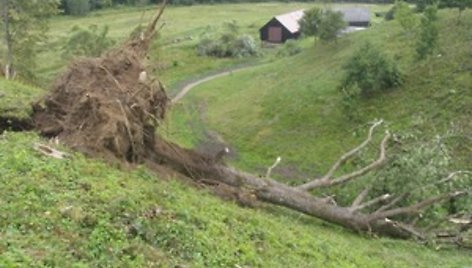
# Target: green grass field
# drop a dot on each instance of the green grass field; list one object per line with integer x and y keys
{"x": 81, "y": 212}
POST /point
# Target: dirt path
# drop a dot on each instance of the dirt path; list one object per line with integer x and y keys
{"x": 187, "y": 87}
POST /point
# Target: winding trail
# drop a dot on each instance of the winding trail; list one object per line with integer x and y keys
{"x": 189, "y": 86}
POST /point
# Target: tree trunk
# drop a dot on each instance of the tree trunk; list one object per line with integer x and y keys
{"x": 9, "y": 71}
{"x": 299, "y": 198}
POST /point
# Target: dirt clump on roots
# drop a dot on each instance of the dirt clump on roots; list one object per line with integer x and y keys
{"x": 106, "y": 106}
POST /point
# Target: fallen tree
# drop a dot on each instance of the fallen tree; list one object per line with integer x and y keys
{"x": 110, "y": 107}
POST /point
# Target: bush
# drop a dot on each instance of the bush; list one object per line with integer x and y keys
{"x": 229, "y": 44}
{"x": 87, "y": 42}
{"x": 405, "y": 16}
{"x": 369, "y": 71}
{"x": 428, "y": 38}
{"x": 290, "y": 48}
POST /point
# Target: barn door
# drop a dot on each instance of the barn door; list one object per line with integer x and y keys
{"x": 275, "y": 34}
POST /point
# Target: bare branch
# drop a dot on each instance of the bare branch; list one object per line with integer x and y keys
{"x": 415, "y": 208}
{"x": 269, "y": 170}
{"x": 49, "y": 151}
{"x": 391, "y": 204}
{"x": 325, "y": 180}
{"x": 360, "y": 197}
{"x": 152, "y": 26}
{"x": 371, "y": 202}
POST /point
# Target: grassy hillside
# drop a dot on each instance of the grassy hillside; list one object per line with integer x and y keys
{"x": 16, "y": 99}
{"x": 292, "y": 107}
{"x": 83, "y": 213}
{"x": 174, "y": 57}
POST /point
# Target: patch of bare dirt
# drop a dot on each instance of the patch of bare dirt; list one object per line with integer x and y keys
{"x": 15, "y": 124}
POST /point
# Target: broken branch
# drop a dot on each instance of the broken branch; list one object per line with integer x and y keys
{"x": 415, "y": 208}
{"x": 269, "y": 170}
{"x": 327, "y": 181}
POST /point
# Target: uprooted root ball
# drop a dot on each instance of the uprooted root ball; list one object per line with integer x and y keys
{"x": 106, "y": 106}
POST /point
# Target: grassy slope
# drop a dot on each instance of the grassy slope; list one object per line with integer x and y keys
{"x": 83, "y": 213}
{"x": 292, "y": 108}
{"x": 16, "y": 99}
{"x": 174, "y": 60}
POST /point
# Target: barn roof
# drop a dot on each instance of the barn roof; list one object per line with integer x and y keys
{"x": 350, "y": 14}
{"x": 290, "y": 20}
{"x": 355, "y": 14}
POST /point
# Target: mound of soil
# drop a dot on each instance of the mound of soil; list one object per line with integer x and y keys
{"x": 106, "y": 106}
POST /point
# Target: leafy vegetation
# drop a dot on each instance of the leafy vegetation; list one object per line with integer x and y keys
{"x": 229, "y": 44}
{"x": 323, "y": 24}
{"x": 428, "y": 36}
{"x": 370, "y": 71}
{"x": 405, "y": 16}
{"x": 24, "y": 24}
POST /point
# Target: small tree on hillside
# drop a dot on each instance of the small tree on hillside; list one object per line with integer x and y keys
{"x": 405, "y": 16}
{"x": 331, "y": 23}
{"x": 429, "y": 33}
{"x": 24, "y": 24}
{"x": 369, "y": 71}
{"x": 324, "y": 24}
{"x": 309, "y": 23}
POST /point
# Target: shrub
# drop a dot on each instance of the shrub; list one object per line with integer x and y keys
{"x": 290, "y": 48}
{"x": 229, "y": 44}
{"x": 369, "y": 71}
{"x": 428, "y": 38}
{"x": 405, "y": 16}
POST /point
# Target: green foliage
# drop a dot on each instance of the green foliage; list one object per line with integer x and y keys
{"x": 87, "y": 42}
{"x": 24, "y": 25}
{"x": 290, "y": 48}
{"x": 428, "y": 36}
{"x": 77, "y": 7}
{"x": 405, "y": 16}
{"x": 309, "y": 23}
{"x": 417, "y": 168}
{"x": 228, "y": 44}
{"x": 330, "y": 25}
{"x": 369, "y": 71}
{"x": 324, "y": 24}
